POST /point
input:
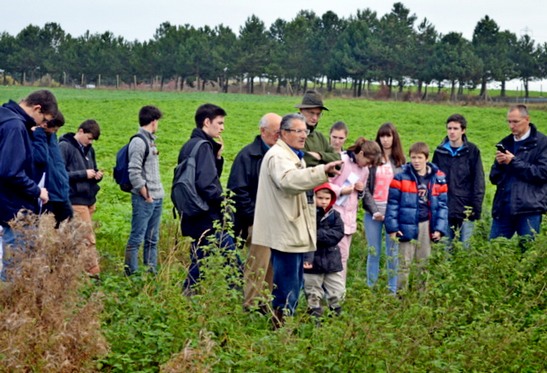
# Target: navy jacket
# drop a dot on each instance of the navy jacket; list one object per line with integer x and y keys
{"x": 82, "y": 191}
{"x": 330, "y": 230}
{"x": 526, "y": 174}
{"x": 465, "y": 178}
{"x": 243, "y": 182}
{"x": 51, "y": 162}
{"x": 18, "y": 184}
{"x": 402, "y": 206}
{"x": 208, "y": 171}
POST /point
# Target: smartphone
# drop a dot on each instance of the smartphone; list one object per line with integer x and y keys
{"x": 501, "y": 148}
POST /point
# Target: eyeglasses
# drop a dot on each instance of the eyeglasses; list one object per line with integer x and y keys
{"x": 517, "y": 121}
{"x": 298, "y": 132}
{"x": 45, "y": 118}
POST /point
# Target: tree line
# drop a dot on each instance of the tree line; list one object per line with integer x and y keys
{"x": 395, "y": 50}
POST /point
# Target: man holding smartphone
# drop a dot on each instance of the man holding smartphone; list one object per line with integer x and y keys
{"x": 520, "y": 174}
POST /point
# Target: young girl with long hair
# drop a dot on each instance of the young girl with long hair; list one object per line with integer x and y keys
{"x": 375, "y": 202}
{"x": 350, "y": 186}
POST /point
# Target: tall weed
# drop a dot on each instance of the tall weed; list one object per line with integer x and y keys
{"x": 49, "y": 311}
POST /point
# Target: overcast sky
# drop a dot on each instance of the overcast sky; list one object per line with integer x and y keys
{"x": 135, "y": 19}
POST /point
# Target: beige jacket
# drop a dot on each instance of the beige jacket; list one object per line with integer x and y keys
{"x": 284, "y": 220}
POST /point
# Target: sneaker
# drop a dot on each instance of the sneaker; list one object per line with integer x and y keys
{"x": 188, "y": 292}
{"x": 336, "y": 310}
{"x": 315, "y": 311}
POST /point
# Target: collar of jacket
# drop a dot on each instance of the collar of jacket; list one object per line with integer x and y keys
{"x": 509, "y": 140}
{"x": 149, "y": 135}
{"x": 445, "y": 145}
{"x": 297, "y": 152}
{"x": 198, "y": 132}
{"x": 69, "y": 137}
{"x": 311, "y": 128}
{"x": 14, "y": 106}
{"x": 431, "y": 169}
{"x": 258, "y": 147}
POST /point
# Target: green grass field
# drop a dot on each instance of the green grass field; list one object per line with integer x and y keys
{"x": 483, "y": 310}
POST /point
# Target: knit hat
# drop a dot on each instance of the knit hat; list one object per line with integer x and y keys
{"x": 312, "y": 99}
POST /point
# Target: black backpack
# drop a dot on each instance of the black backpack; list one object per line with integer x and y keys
{"x": 121, "y": 169}
{"x": 184, "y": 195}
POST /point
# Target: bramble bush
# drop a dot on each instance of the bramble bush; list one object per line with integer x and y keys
{"x": 477, "y": 309}
{"x": 480, "y": 309}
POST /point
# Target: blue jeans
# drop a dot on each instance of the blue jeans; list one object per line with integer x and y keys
{"x": 288, "y": 279}
{"x": 373, "y": 231}
{"x": 197, "y": 253}
{"x": 8, "y": 238}
{"x": 14, "y": 245}
{"x": 523, "y": 225}
{"x": 463, "y": 227}
{"x": 145, "y": 226}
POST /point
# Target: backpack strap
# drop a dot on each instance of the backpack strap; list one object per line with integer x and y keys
{"x": 196, "y": 148}
{"x": 147, "y": 148}
{"x": 192, "y": 154}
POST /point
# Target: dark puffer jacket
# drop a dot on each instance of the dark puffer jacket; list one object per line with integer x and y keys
{"x": 402, "y": 212}
{"x": 465, "y": 178}
{"x": 330, "y": 230}
{"x": 526, "y": 174}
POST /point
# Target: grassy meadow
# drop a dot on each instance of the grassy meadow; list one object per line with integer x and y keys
{"x": 481, "y": 310}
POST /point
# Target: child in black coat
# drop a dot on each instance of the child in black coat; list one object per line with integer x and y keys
{"x": 322, "y": 268}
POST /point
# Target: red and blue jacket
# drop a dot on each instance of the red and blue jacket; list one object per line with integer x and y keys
{"x": 403, "y": 201}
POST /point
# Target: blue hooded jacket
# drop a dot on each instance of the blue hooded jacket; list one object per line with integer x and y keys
{"x": 47, "y": 158}
{"x": 18, "y": 184}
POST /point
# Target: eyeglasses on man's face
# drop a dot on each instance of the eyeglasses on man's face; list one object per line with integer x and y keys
{"x": 298, "y": 131}
{"x": 45, "y": 118}
{"x": 514, "y": 121}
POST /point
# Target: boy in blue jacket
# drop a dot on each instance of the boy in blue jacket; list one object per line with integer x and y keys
{"x": 50, "y": 164}
{"x": 417, "y": 212}
{"x": 323, "y": 268}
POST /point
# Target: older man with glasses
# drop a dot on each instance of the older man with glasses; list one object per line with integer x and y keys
{"x": 243, "y": 182}
{"x": 285, "y": 215}
{"x": 520, "y": 175}
{"x": 317, "y": 149}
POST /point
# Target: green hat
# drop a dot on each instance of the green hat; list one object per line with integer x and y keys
{"x": 312, "y": 99}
